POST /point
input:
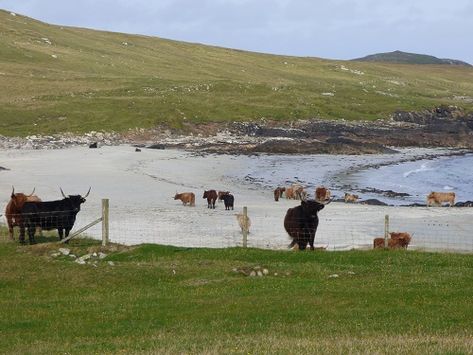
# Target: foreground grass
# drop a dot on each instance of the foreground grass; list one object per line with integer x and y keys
{"x": 55, "y": 79}
{"x": 177, "y": 300}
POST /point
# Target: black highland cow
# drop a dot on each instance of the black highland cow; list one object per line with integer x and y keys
{"x": 301, "y": 223}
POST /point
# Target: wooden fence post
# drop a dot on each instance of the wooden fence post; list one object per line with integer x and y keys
{"x": 386, "y": 230}
{"x": 105, "y": 226}
{"x": 245, "y": 229}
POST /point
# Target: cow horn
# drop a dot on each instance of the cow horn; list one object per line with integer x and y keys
{"x": 88, "y": 192}
{"x": 13, "y": 190}
{"x": 31, "y": 194}
{"x": 63, "y": 193}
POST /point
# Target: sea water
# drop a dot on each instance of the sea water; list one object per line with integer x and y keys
{"x": 407, "y": 172}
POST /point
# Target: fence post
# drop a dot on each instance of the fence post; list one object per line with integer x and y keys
{"x": 105, "y": 227}
{"x": 245, "y": 227}
{"x": 386, "y": 230}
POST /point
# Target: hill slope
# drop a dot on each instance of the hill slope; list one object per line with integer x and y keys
{"x": 56, "y": 79}
{"x": 409, "y": 58}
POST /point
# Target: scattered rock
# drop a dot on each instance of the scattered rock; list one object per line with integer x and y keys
{"x": 156, "y": 146}
{"x": 251, "y": 271}
{"x": 333, "y": 276}
{"x": 85, "y": 257}
{"x": 464, "y": 204}
{"x": 93, "y": 145}
{"x": 80, "y": 261}
{"x": 137, "y": 150}
{"x": 111, "y": 263}
{"x": 55, "y": 255}
{"x": 373, "y": 202}
{"x": 102, "y": 255}
{"x": 64, "y": 251}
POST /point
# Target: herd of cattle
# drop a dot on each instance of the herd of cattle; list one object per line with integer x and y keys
{"x": 30, "y": 214}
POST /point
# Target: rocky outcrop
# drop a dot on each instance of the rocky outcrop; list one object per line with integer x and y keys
{"x": 444, "y": 126}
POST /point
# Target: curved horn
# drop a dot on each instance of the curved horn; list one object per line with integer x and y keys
{"x": 88, "y": 192}
{"x": 13, "y": 190}
{"x": 31, "y": 194}
{"x": 63, "y": 193}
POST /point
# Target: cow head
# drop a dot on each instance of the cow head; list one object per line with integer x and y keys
{"x": 311, "y": 207}
{"x": 206, "y": 194}
{"x": 18, "y": 199}
{"x": 176, "y": 196}
{"x": 76, "y": 200}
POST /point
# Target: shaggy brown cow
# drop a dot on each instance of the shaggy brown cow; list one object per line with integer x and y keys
{"x": 289, "y": 191}
{"x": 398, "y": 240}
{"x": 186, "y": 198}
{"x": 14, "y": 206}
{"x": 350, "y": 198}
{"x": 244, "y": 222}
{"x": 299, "y": 193}
{"x": 437, "y": 198}
{"x": 278, "y": 193}
{"x": 322, "y": 194}
{"x": 211, "y": 196}
{"x": 301, "y": 223}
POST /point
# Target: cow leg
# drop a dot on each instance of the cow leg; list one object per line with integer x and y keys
{"x": 311, "y": 240}
{"x": 302, "y": 244}
{"x": 10, "y": 232}
{"x": 291, "y": 245}
{"x": 67, "y": 233}
{"x": 31, "y": 231}
{"x": 60, "y": 233}
{"x": 22, "y": 235}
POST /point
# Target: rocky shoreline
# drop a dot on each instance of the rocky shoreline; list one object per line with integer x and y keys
{"x": 446, "y": 127}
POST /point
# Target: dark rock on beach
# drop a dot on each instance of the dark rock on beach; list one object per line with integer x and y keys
{"x": 373, "y": 202}
{"x": 464, "y": 204}
{"x": 156, "y": 146}
{"x": 387, "y": 193}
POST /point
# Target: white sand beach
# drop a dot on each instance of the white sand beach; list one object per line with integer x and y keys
{"x": 141, "y": 187}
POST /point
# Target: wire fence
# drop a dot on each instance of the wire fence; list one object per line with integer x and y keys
{"x": 341, "y": 226}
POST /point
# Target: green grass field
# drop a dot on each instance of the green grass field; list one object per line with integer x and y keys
{"x": 159, "y": 299}
{"x": 55, "y": 79}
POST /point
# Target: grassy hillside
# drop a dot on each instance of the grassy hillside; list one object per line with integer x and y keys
{"x": 409, "y": 58}
{"x": 168, "y": 300}
{"x": 55, "y": 79}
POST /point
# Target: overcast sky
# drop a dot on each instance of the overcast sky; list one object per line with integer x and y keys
{"x": 336, "y": 29}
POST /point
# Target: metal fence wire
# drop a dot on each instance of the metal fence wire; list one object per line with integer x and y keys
{"x": 341, "y": 227}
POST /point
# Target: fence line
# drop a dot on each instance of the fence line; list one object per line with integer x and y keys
{"x": 341, "y": 227}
